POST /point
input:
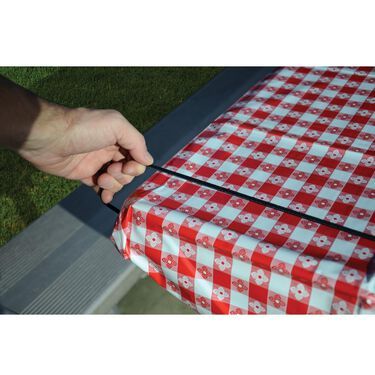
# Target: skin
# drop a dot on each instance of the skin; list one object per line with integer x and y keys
{"x": 98, "y": 147}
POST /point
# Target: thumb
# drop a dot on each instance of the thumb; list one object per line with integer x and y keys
{"x": 129, "y": 138}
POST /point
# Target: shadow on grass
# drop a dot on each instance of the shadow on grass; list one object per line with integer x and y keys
{"x": 15, "y": 186}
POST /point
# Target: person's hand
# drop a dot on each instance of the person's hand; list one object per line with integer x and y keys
{"x": 98, "y": 147}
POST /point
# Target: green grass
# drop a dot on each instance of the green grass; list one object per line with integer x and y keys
{"x": 142, "y": 95}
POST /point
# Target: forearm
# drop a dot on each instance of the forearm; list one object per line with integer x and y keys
{"x": 21, "y": 114}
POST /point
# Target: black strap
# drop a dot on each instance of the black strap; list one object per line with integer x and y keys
{"x": 109, "y": 205}
{"x": 265, "y": 203}
{"x": 113, "y": 208}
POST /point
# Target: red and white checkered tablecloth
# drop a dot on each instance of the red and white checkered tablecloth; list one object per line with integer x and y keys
{"x": 302, "y": 139}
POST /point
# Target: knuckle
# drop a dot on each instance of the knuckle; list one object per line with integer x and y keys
{"x": 114, "y": 113}
{"x": 139, "y": 139}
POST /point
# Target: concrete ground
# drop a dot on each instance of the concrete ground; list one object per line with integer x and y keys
{"x": 147, "y": 297}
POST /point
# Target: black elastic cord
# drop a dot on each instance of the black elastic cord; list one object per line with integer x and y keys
{"x": 113, "y": 208}
{"x": 265, "y": 203}
{"x": 109, "y": 205}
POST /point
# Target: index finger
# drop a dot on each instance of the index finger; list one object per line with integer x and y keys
{"x": 129, "y": 138}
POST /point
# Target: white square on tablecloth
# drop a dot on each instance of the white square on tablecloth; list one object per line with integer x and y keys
{"x": 228, "y": 167}
{"x": 360, "y": 143}
{"x": 256, "y": 135}
{"x": 281, "y": 111}
{"x": 269, "y": 124}
{"x": 292, "y": 99}
{"x": 343, "y": 247}
{"x": 211, "y": 230}
{"x": 293, "y": 184}
{"x": 247, "y": 242}
{"x": 229, "y": 212}
{"x": 317, "y": 212}
{"x": 241, "y": 117}
{"x": 245, "y": 190}
{"x": 170, "y": 245}
{"x": 287, "y": 143}
{"x": 341, "y": 123}
{"x": 141, "y": 261}
{"x": 281, "y": 201}
{"x": 170, "y": 274}
{"x": 138, "y": 232}
{"x": 205, "y": 256}
{"x": 184, "y": 171}
{"x": 239, "y": 299}
{"x": 327, "y": 92}
{"x": 273, "y": 159}
{"x": 301, "y": 233}
{"x": 308, "y": 117}
{"x": 286, "y": 255}
{"x": 214, "y": 143}
{"x": 349, "y": 110}
{"x": 198, "y": 159}
{"x": 357, "y": 98}
{"x": 280, "y": 284}
{"x": 309, "y": 77}
{"x": 228, "y": 128}
{"x": 243, "y": 151}
{"x": 272, "y": 310}
{"x": 328, "y": 137}
{"x": 355, "y": 223}
{"x": 195, "y": 202}
{"x": 203, "y": 287}
{"x": 368, "y": 129}
{"x": 306, "y": 167}
{"x": 321, "y": 300}
{"x": 327, "y": 193}
{"x": 340, "y": 175}
{"x": 329, "y": 268}
{"x": 264, "y": 94}
{"x": 297, "y": 130}
{"x": 366, "y": 203}
{"x": 259, "y": 175}
{"x": 241, "y": 269}
{"x": 338, "y": 82}
{"x": 264, "y": 223}
{"x": 175, "y": 217}
{"x": 317, "y": 149}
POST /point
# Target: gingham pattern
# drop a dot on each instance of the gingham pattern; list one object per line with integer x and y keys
{"x": 303, "y": 139}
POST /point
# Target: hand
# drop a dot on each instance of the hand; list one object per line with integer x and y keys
{"x": 77, "y": 143}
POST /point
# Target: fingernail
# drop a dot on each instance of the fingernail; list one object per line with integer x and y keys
{"x": 149, "y": 158}
{"x": 128, "y": 169}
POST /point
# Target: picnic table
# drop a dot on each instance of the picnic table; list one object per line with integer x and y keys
{"x": 269, "y": 209}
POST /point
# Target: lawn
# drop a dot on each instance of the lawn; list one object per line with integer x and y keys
{"x": 142, "y": 95}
